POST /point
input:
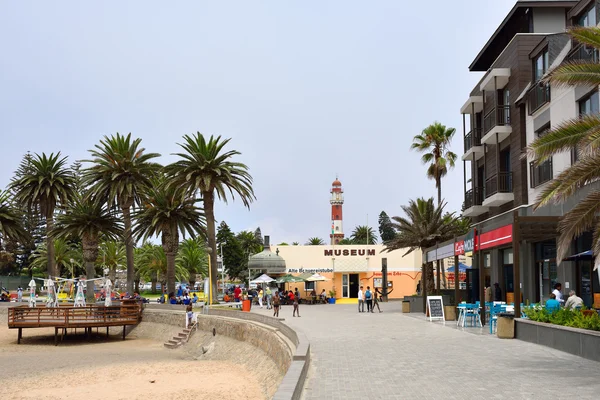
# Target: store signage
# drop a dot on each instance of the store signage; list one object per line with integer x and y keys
{"x": 469, "y": 243}
{"x": 497, "y": 237}
{"x": 353, "y": 252}
{"x": 459, "y": 247}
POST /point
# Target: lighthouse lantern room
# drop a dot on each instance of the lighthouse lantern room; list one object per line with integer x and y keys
{"x": 337, "y": 201}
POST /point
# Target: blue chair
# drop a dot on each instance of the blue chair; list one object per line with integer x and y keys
{"x": 494, "y": 311}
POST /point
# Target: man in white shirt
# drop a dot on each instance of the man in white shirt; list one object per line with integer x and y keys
{"x": 558, "y": 293}
{"x": 361, "y": 300}
{"x": 573, "y": 301}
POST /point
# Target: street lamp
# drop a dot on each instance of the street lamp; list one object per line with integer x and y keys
{"x": 208, "y": 252}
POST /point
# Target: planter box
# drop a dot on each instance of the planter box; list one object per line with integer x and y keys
{"x": 450, "y": 313}
{"x": 331, "y": 300}
{"x": 416, "y": 303}
{"x": 580, "y": 342}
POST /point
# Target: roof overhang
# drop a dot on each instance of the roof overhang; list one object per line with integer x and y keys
{"x": 473, "y": 102}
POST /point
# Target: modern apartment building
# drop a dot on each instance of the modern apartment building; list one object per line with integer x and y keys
{"x": 508, "y": 108}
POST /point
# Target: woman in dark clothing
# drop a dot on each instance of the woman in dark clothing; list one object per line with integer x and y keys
{"x": 497, "y": 292}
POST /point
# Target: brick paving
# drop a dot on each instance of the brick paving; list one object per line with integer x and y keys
{"x": 402, "y": 356}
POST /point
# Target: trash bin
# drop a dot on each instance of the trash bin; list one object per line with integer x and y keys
{"x": 405, "y": 306}
{"x": 246, "y": 305}
{"x": 506, "y": 326}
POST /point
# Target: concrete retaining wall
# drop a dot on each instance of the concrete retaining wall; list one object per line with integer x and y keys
{"x": 580, "y": 342}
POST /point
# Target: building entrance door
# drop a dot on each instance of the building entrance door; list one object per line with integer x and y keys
{"x": 353, "y": 285}
{"x": 472, "y": 285}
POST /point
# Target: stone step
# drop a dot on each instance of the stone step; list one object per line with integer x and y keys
{"x": 170, "y": 345}
{"x": 182, "y": 335}
{"x": 187, "y": 330}
{"x": 175, "y": 340}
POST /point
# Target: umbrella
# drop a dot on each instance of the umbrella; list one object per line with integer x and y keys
{"x": 289, "y": 279}
{"x": 461, "y": 268}
{"x": 264, "y": 278}
{"x": 317, "y": 278}
{"x": 586, "y": 255}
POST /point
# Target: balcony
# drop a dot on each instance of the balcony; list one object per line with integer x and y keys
{"x": 473, "y": 105}
{"x": 496, "y": 121}
{"x": 496, "y": 79}
{"x": 540, "y": 174}
{"x": 537, "y": 96}
{"x": 498, "y": 190}
{"x": 582, "y": 52}
{"x": 473, "y": 145}
{"x": 473, "y": 203}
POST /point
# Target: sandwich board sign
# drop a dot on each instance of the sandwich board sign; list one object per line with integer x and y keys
{"x": 435, "y": 304}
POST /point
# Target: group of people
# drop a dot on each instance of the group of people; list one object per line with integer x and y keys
{"x": 370, "y": 297}
{"x": 185, "y": 298}
{"x": 556, "y": 299}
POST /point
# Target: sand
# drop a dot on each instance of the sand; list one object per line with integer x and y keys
{"x": 137, "y": 368}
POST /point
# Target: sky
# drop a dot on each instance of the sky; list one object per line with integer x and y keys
{"x": 306, "y": 90}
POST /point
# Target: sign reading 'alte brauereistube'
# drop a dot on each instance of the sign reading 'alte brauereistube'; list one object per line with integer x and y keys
{"x": 353, "y": 252}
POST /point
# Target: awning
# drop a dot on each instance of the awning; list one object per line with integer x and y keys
{"x": 585, "y": 255}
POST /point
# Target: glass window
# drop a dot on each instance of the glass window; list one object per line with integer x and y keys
{"x": 540, "y": 65}
{"x": 590, "y": 104}
{"x": 309, "y": 286}
{"x": 588, "y": 18}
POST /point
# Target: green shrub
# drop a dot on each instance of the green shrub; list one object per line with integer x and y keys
{"x": 564, "y": 317}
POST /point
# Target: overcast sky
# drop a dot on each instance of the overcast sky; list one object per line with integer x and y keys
{"x": 305, "y": 89}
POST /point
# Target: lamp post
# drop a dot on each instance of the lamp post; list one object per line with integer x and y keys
{"x": 208, "y": 251}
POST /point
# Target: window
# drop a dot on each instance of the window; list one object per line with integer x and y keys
{"x": 588, "y": 18}
{"x": 309, "y": 286}
{"x": 542, "y": 173}
{"x": 540, "y": 65}
{"x": 587, "y": 106}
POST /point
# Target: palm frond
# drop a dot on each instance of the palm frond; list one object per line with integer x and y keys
{"x": 574, "y": 223}
{"x": 575, "y": 73}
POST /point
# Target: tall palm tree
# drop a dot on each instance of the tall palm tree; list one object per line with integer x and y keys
{"x": 581, "y": 135}
{"x": 206, "y": 167}
{"x": 48, "y": 183}
{"x": 364, "y": 234}
{"x": 67, "y": 256}
{"x": 434, "y": 142}
{"x": 151, "y": 264}
{"x": 119, "y": 172}
{"x": 88, "y": 219}
{"x": 192, "y": 257}
{"x": 10, "y": 220}
{"x": 249, "y": 242}
{"x": 423, "y": 226}
{"x": 112, "y": 256}
{"x": 315, "y": 241}
{"x": 166, "y": 212}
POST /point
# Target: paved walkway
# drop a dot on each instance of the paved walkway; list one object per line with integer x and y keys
{"x": 401, "y": 356}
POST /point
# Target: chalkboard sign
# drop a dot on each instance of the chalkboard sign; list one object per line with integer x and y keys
{"x": 435, "y": 304}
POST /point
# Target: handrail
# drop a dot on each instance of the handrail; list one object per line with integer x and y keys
{"x": 23, "y": 316}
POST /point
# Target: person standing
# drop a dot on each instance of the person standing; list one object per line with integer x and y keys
{"x": 237, "y": 292}
{"x": 297, "y": 295}
{"x": 276, "y": 305}
{"x": 375, "y": 301}
{"x": 557, "y": 292}
{"x": 361, "y": 300}
{"x": 369, "y": 299}
{"x": 261, "y": 295}
{"x": 296, "y": 301}
{"x": 497, "y": 292}
{"x": 19, "y": 294}
{"x": 269, "y": 296}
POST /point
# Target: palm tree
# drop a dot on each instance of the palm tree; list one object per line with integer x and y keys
{"x": 206, "y": 167}
{"x": 295, "y": 243}
{"x": 151, "y": 264}
{"x": 120, "y": 171}
{"x": 363, "y": 234}
{"x": 315, "y": 241}
{"x": 48, "y": 183}
{"x": 578, "y": 134}
{"x": 88, "y": 219}
{"x": 346, "y": 242}
{"x": 434, "y": 142}
{"x": 112, "y": 256}
{"x": 423, "y": 226}
{"x": 166, "y": 212}
{"x": 192, "y": 257}
{"x": 66, "y": 256}
{"x": 10, "y": 220}
{"x": 249, "y": 243}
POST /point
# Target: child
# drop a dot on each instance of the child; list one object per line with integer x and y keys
{"x": 190, "y": 314}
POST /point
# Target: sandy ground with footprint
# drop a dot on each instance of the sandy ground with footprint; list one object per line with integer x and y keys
{"x": 137, "y": 368}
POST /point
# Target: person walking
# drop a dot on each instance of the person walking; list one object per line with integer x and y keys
{"x": 296, "y": 302}
{"x": 269, "y": 296}
{"x": 361, "y": 300}
{"x": 276, "y": 305}
{"x": 297, "y": 295}
{"x": 261, "y": 295}
{"x": 369, "y": 299}
{"x": 375, "y": 301}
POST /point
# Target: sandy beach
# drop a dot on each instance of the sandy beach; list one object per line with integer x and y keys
{"x": 137, "y": 368}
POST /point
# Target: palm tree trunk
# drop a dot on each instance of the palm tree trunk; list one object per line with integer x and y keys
{"x": 90, "y": 255}
{"x": 170, "y": 243}
{"x": 438, "y": 183}
{"x": 90, "y": 273}
{"x": 153, "y": 285}
{"x": 128, "y": 248}
{"x": 50, "y": 244}
{"x": 209, "y": 212}
{"x": 112, "y": 274}
{"x": 430, "y": 281}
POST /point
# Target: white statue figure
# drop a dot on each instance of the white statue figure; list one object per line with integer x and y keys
{"x": 32, "y": 293}
{"x": 79, "y": 296}
{"x": 108, "y": 293}
{"x": 51, "y": 298}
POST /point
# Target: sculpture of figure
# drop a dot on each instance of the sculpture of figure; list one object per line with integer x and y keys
{"x": 108, "y": 294}
{"x": 51, "y": 298}
{"x": 32, "y": 293}
{"x": 79, "y": 296}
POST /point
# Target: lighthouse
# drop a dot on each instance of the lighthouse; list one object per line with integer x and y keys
{"x": 337, "y": 201}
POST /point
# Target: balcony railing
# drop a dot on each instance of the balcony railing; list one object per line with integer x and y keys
{"x": 497, "y": 116}
{"x": 582, "y": 52}
{"x": 537, "y": 96}
{"x": 540, "y": 174}
{"x": 499, "y": 183}
{"x": 473, "y": 138}
{"x": 473, "y": 197}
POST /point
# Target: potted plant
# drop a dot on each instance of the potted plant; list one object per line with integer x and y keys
{"x": 331, "y": 299}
